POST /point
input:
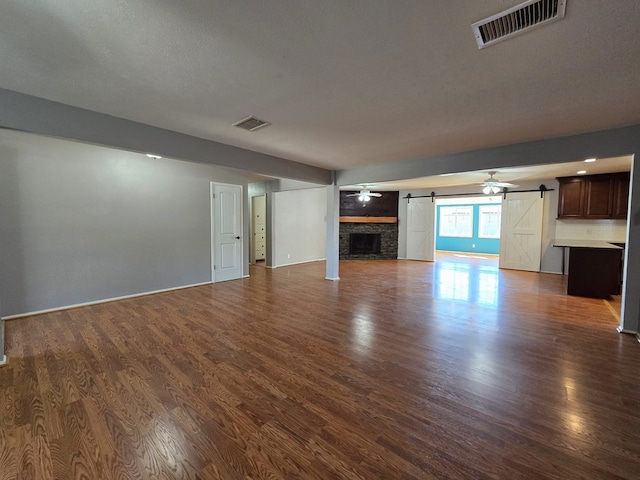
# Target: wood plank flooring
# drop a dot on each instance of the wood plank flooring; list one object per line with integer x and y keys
{"x": 400, "y": 370}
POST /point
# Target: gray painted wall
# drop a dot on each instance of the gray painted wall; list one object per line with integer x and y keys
{"x": 80, "y": 223}
{"x": 2, "y": 357}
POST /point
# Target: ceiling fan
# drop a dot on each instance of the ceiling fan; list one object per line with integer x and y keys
{"x": 365, "y": 194}
{"x": 493, "y": 185}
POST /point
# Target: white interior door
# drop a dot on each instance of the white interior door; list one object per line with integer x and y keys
{"x": 420, "y": 229}
{"x": 521, "y": 231}
{"x": 226, "y": 207}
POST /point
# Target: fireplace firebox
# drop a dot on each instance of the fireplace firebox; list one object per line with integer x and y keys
{"x": 364, "y": 243}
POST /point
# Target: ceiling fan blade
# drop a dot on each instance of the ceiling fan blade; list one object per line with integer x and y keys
{"x": 353, "y": 195}
{"x": 375, "y": 194}
{"x": 493, "y": 182}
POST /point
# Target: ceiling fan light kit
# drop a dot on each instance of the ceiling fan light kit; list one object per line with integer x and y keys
{"x": 492, "y": 185}
{"x": 364, "y": 195}
{"x": 491, "y": 190}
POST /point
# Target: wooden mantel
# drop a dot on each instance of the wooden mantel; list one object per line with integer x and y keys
{"x": 368, "y": 219}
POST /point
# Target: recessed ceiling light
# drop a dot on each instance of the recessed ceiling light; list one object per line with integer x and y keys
{"x": 581, "y": 172}
{"x": 151, "y": 155}
{"x": 590, "y": 160}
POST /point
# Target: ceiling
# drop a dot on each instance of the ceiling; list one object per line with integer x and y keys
{"x": 343, "y": 84}
{"x": 514, "y": 175}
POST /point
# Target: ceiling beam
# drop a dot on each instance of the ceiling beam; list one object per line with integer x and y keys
{"x": 600, "y": 144}
{"x": 37, "y": 115}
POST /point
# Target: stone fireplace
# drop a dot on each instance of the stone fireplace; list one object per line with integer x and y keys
{"x": 387, "y": 241}
{"x": 368, "y": 229}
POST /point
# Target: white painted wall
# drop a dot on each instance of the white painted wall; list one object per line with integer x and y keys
{"x": 299, "y": 226}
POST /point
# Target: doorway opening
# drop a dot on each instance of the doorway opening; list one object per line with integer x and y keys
{"x": 469, "y": 225}
{"x": 520, "y": 220}
{"x": 258, "y": 251}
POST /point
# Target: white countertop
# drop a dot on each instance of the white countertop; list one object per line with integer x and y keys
{"x": 584, "y": 244}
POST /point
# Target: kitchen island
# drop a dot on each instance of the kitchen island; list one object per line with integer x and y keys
{"x": 595, "y": 267}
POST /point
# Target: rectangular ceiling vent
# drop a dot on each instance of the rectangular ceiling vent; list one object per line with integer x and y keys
{"x": 516, "y": 20}
{"x": 251, "y": 123}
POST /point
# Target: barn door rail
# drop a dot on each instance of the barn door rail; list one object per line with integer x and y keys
{"x": 542, "y": 189}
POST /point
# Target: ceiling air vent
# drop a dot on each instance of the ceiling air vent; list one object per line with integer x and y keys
{"x": 251, "y": 123}
{"x": 516, "y": 20}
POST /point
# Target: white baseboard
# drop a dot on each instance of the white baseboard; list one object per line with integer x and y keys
{"x": 106, "y": 300}
{"x": 332, "y": 279}
{"x": 298, "y": 263}
{"x": 3, "y": 360}
{"x": 555, "y": 273}
{"x": 622, "y": 330}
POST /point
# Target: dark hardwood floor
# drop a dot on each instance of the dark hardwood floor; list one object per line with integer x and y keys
{"x": 400, "y": 370}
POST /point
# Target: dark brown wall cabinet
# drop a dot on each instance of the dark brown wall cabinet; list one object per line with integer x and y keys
{"x": 621, "y": 196}
{"x": 571, "y": 193}
{"x": 594, "y": 196}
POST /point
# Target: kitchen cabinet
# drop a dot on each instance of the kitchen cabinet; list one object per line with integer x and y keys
{"x": 603, "y": 196}
{"x": 594, "y": 272}
{"x": 621, "y": 196}
{"x": 570, "y": 198}
{"x": 595, "y": 267}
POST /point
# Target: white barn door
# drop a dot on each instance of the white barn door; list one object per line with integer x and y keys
{"x": 226, "y": 208}
{"x": 521, "y": 231}
{"x": 420, "y": 229}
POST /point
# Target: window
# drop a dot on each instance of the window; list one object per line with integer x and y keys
{"x": 489, "y": 223}
{"x": 456, "y": 221}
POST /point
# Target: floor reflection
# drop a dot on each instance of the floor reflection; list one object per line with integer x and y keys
{"x": 467, "y": 278}
{"x": 363, "y": 329}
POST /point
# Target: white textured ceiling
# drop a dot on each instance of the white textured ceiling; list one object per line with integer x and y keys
{"x": 343, "y": 83}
